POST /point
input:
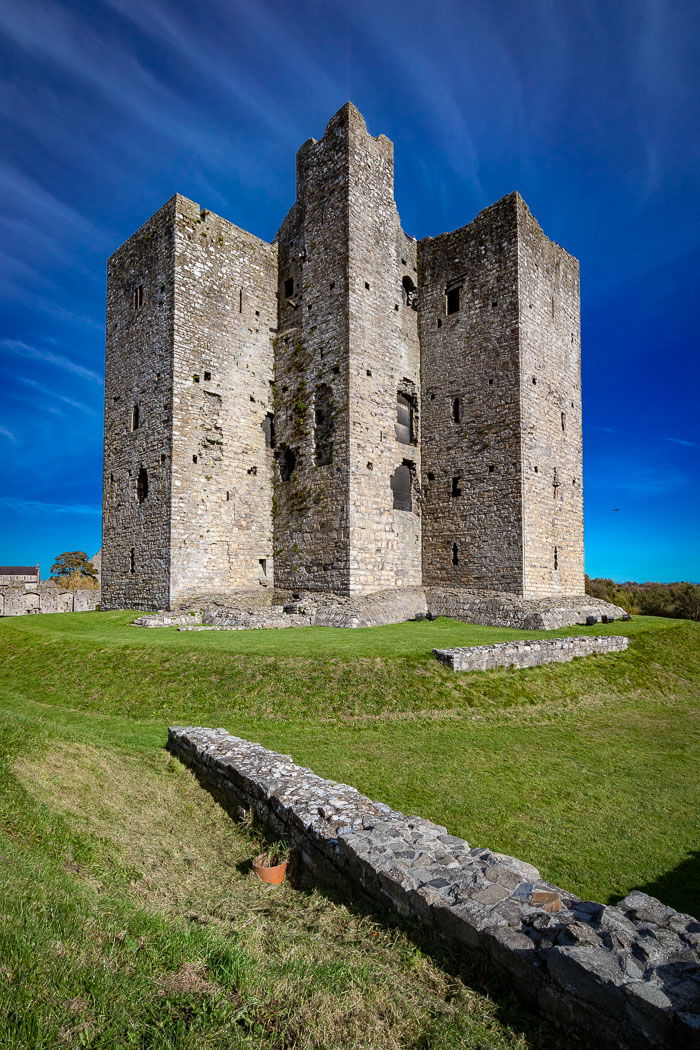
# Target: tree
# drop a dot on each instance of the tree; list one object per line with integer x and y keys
{"x": 73, "y": 568}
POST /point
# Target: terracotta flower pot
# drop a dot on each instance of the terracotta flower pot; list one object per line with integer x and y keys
{"x": 274, "y": 874}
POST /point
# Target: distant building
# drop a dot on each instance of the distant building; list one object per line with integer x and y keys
{"x": 14, "y": 574}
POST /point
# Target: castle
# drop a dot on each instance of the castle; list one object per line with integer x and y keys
{"x": 347, "y": 409}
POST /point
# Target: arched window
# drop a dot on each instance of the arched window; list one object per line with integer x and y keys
{"x": 408, "y": 291}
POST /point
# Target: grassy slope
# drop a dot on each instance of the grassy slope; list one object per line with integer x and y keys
{"x": 587, "y": 769}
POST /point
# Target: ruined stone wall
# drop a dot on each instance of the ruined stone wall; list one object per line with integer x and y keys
{"x": 529, "y": 653}
{"x": 138, "y": 390}
{"x": 624, "y": 977}
{"x": 384, "y": 360}
{"x": 550, "y": 345}
{"x": 311, "y": 373}
{"x": 472, "y": 538}
{"x": 46, "y": 597}
{"x": 224, "y": 326}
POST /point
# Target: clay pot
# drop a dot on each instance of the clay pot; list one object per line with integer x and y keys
{"x": 274, "y": 874}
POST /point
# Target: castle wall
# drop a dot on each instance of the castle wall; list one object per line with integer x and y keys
{"x": 472, "y": 538}
{"x": 311, "y": 373}
{"x": 550, "y": 340}
{"x": 138, "y": 378}
{"x": 224, "y": 326}
{"x": 384, "y": 359}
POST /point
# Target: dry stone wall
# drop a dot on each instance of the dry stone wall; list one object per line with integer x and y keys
{"x": 625, "y": 977}
{"x": 46, "y": 597}
{"x": 530, "y": 653}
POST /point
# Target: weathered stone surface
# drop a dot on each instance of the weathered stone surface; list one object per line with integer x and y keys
{"x": 528, "y": 653}
{"x": 625, "y": 977}
{"x": 46, "y": 597}
{"x": 378, "y": 412}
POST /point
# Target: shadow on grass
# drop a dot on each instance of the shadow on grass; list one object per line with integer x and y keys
{"x": 469, "y": 967}
{"x": 679, "y": 887}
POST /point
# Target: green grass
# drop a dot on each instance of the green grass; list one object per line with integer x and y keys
{"x": 129, "y": 916}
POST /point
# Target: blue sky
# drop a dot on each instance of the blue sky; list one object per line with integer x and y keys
{"x": 590, "y": 110}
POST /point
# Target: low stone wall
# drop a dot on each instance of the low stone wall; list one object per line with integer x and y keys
{"x": 626, "y": 976}
{"x": 528, "y": 653}
{"x": 46, "y": 597}
{"x": 509, "y": 610}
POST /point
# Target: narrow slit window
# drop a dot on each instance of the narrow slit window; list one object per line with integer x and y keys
{"x": 138, "y": 297}
{"x": 453, "y": 300}
{"x": 556, "y": 558}
{"x": 132, "y": 560}
{"x": 134, "y": 417}
{"x": 457, "y": 410}
{"x": 268, "y": 425}
{"x": 456, "y": 490}
{"x": 405, "y": 419}
{"x": 141, "y": 485}
{"x": 455, "y": 554}
{"x": 289, "y": 288}
{"x": 240, "y": 301}
{"x": 563, "y": 421}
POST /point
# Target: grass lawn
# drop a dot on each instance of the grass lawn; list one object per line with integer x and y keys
{"x": 129, "y": 916}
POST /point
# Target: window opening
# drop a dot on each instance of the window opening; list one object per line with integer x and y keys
{"x": 132, "y": 560}
{"x": 405, "y": 418}
{"x": 457, "y": 410}
{"x": 410, "y": 298}
{"x": 134, "y": 417}
{"x": 453, "y": 300}
{"x": 556, "y": 558}
{"x": 207, "y": 376}
{"x": 455, "y": 554}
{"x": 367, "y": 285}
{"x": 138, "y": 297}
{"x": 401, "y": 488}
{"x": 289, "y": 288}
{"x": 141, "y": 485}
{"x": 323, "y": 426}
{"x": 563, "y": 421}
{"x": 287, "y": 461}
{"x": 262, "y": 563}
{"x": 268, "y": 425}
{"x": 491, "y": 468}
{"x": 240, "y": 301}
{"x": 194, "y": 459}
{"x": 456, "y": 490}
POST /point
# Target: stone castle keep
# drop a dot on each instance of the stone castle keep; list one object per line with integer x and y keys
{"x": 347, "y": 409}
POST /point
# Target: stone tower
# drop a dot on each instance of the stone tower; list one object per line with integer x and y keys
{"x": 346, "y": 409}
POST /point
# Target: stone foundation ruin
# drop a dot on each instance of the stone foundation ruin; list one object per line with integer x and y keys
{"x": 623, "y": 977}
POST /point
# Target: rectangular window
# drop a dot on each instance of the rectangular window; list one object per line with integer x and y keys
{"x": 456, "y": 490}
{"x": 405, "y": 421}
{"x": 289, "y": 288}
{"x": 134, "y": 417}
{"x": 453, "y": 300}
{"x": 138, "y": 297}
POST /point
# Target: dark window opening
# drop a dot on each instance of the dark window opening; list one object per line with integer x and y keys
{"x": 369, "y": 371}
{"x": 439, "y": 322}
{"x": 396, "y": 307}
{"x": 336, "y": 370}
{"x": 134, "y": 417}
{"x": 456, "y": 490}
{"x": 453, "y": 300}
{"x": 289, "y": 288}
{"x": 262, "y": 564}
{"x": 410, "y": 297}
{"x": 490, "y": 382}
{"x": 401, "y": 488}
{"x": 331, "y": 286}
{"x": 138, "y": 297}
{"x": 257, "y": 313}
{"x": 252, "y": 470}
{"x": 163, "y": 457}
{"x": 194, "y": 459}
{"x": 563, "y": 421}
{"x": 207, "y": 376}
{"x": 405, "y": 419}
{"x": 268, "y": 425}
{"x": 240, "y": 301}
{"x": 141, "y": 485}
{"x": 367, "y": 285}
{"x": 555, "y": 485}
{"x": 536, "y": 469}
{"x": 323, "y": 426}
{"x": 556, "y": 558}
{"x": 369, "y": 465}
{"x": 457, "y": 410}
{"x": 534, "y": 381}
{"x": 195, "y": 379}
{"x": 455, "y": 554}
{"x": 252, "y": 398}
{"x": 431, "y": 476}
{"x": 287, "y": 461}
{"x": 132, "y": 560}
{"x": 491, "y": 468}
{"x": 228, "y": 496}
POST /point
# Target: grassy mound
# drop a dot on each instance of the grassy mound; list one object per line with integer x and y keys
{"x": 130, "y": 917}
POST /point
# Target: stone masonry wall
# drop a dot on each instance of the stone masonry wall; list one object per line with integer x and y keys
{"x": 311, "y": 373}
{"x": 625, "y": 977}
{"x": 552, "y": 449}
{"x": 225, "y": 324}
{"x": 472, "y": 519}
{"x": 138, "y": 379}
{"x": 46, "y": 597}
{"x": 529, "y": 653}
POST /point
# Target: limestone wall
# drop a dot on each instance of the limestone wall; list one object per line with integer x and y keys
{"x": 625, "y": 977}
{"x": 472, "y": 520}
{"x": 46, "y": 597}
{"x": 529, "y": 653}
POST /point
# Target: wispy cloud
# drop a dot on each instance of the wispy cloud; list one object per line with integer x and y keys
{"x": 682, "y": 441}
{"x": 647, "y": 437}
{"x": 32, "y": 506}
{"x": 47, "y": 392}
{"x": 4, "y": 432}
{"x": 16, "y": 346}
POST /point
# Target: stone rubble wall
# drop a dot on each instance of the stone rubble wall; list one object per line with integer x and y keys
{"x": 624, "y": 976}
{"x": 46, "y": 597}
{"x": 528, "y": 653}
{"x": 510, "y": 610}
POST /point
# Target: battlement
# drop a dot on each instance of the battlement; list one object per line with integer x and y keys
{"x": 346, "y": 409}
